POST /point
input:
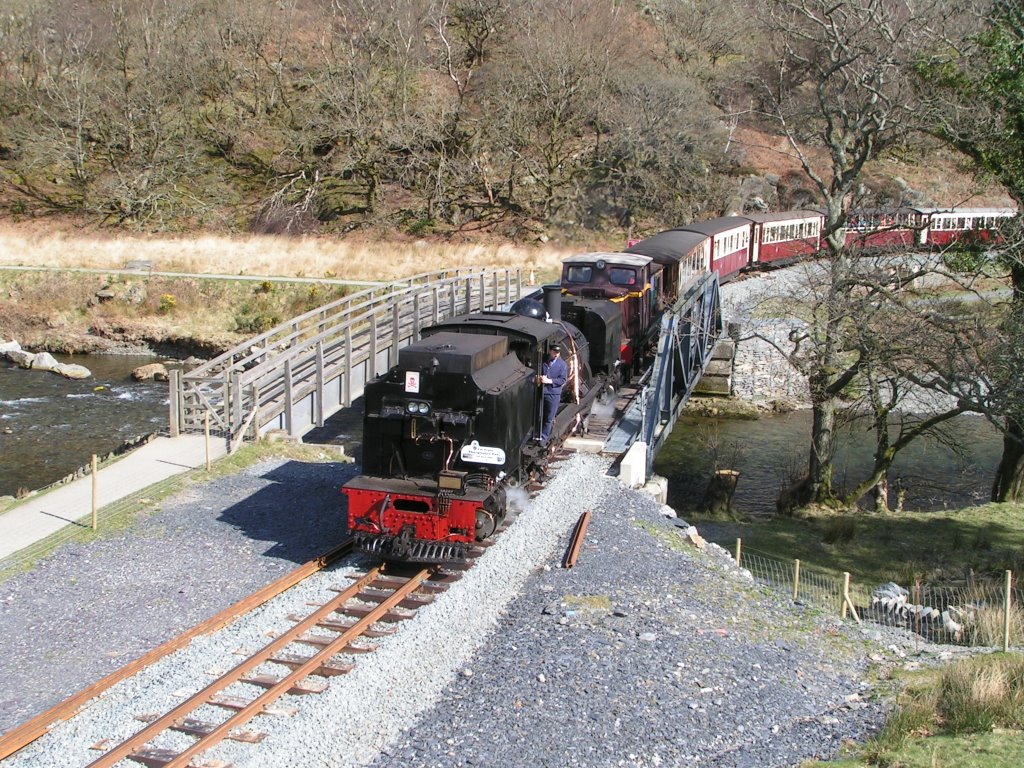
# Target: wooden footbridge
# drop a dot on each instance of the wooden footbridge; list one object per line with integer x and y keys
{"x": 295, "y": 376}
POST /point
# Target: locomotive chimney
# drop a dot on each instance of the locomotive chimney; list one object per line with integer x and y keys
{"x": 553, "y": 302}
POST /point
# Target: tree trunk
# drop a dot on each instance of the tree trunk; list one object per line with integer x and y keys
{"x": 881, "y": 494}
{"x": 818, "y": 487}
{"x": 1009, "y": 481}
{"x": 717, "y": 501}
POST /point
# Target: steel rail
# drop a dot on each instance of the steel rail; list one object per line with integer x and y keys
{"x": 257, "y": 705}
{"x": 577, "y": 540}
{"x": 23, "y": 735}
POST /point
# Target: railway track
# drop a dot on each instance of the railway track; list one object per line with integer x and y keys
{"x": 17, "y": 738}
{"x": 298, "y": 662}
{"x": 334, "y": 630}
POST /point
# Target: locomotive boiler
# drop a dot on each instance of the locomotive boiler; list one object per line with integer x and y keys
{"x": 452, "y": 427}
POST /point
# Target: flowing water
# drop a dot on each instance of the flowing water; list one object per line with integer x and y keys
{"x": 50, "y": 426}
{"x": 770, "y": 451}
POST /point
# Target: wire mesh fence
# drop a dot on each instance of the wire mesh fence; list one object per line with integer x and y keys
{"x": 981, "y": 612}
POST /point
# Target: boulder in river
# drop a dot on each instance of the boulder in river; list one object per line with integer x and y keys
{"x": 8, "y": 346}
{"x": 72, "y": 371}
{"x": 21, "y": 358}
{"x": 154, "y": 371}
{"x": 44, "y": 361}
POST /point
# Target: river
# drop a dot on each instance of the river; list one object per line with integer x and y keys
{"x": 770, "y": 451}
{"x": 50, "y": 426}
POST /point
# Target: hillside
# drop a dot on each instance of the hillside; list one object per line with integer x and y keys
{"x": 542, "y": 120}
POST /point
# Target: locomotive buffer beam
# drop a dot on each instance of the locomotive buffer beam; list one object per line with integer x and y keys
{"x": 687, "y": 336}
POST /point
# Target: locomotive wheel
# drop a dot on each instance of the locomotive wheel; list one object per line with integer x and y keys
{"x": 485, "y": 524}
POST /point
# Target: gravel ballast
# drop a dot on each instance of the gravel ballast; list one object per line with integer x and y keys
{"x": 648, "y": 652}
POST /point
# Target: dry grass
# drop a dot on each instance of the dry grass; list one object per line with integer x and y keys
{"x": 326, "y": 257}
{"x": 990, "y": 623}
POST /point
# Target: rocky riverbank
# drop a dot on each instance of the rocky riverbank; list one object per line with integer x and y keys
{"x": 77, "y": 314}
{"x": 41, "y": 361}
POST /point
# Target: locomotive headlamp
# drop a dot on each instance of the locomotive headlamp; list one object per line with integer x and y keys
{"x": 423, "y": 408}
{"x": 412, "y": 407}
{"x": 417, "y": 408}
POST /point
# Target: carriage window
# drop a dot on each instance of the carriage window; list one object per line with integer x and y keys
{"x": 621, "y": 276}
{"x": 579, "y": 274}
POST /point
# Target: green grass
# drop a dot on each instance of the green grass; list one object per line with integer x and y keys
{"x": 904, "y": 547}
{"x": 967, "y": 714}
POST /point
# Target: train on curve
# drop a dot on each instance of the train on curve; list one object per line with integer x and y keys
{"x": 452, "y": 428}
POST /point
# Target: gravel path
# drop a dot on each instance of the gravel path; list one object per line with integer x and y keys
{"x": 89, "y": 609}
{"x": 649, "y": 652}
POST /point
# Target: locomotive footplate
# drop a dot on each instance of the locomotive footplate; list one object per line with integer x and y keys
{"x": 406, "y": 549}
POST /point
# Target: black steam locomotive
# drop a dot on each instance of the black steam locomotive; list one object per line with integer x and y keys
{"x": 456, "y": 423}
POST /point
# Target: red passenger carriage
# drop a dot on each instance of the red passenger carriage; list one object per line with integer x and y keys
{"x": 785, "y": 236}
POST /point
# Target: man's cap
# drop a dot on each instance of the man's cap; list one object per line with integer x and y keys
{"x": 556, "y": 347}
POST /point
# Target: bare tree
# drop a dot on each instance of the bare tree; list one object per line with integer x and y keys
{"x": 662, "y": 152}
{"x": 972, "y": 89}
{"x": 837, "y": 79}
{"x": 547, "y": 101}
{"x": 104, "y": 93}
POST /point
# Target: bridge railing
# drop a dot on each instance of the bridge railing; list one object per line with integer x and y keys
{"x": 297, "y": 374}
{"x": 688, "y": 334}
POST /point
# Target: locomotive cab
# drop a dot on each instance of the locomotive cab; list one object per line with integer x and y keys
{"x": 632, "y": 282}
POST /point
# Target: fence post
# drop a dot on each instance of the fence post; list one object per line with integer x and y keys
{"x": 396, "y": 334}
{"x": 739, "y": 550}
{"x": 347, "y": 394}
{"x": 371, "y": 372}
{"x": 847, "y": 600}
{"x": 175, "y": 403}
{"x": 289, "y": 398}
{"x": 321, "y": 384}
{"x": 206, "y": 435}
{"x": 416, "y": 317}
{"x": 796, "y": 580}
{"x": 95, "y": 482}
{"x": 1006, "y": 611}
{"x": 846, "y": 591}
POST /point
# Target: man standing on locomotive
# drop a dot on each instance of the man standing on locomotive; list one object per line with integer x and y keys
{"x": 553, "y": 375}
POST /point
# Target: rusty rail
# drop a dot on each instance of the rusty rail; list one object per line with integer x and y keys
{"x": 275, "y": 690}
{"x": 23, "y": 735}
{"x": 577, "y": 540}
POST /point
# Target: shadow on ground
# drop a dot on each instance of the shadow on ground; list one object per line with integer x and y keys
{"x": 299, "y": 512}
{"x": 344, "y": 428}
